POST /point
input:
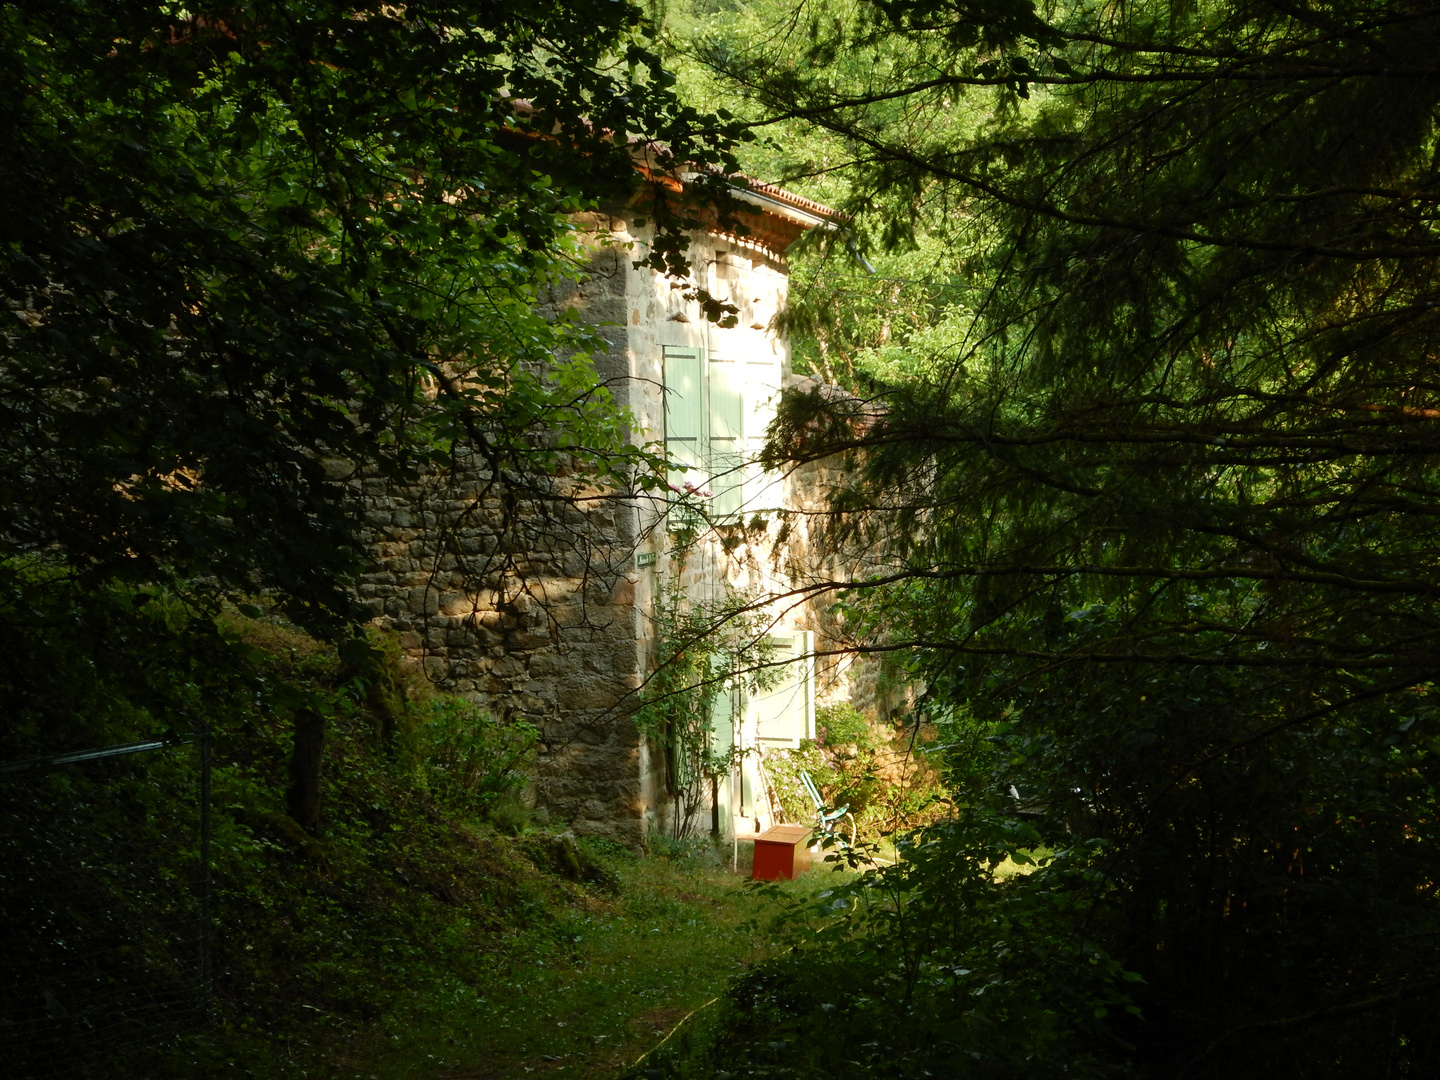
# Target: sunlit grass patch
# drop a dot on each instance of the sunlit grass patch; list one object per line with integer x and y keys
{"x": 1032, "y": 858}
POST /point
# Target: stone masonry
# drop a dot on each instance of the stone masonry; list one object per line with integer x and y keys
{"x": 535, "y": 604}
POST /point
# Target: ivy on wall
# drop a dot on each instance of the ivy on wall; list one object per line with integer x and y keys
{"x": 705, "y": 652}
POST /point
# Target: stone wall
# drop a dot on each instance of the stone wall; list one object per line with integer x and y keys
{"x": 523, "y": 600}
{"x": 818, "y": 555}
{"x": 537, "y": 604}
{"x": 531, "y": 616}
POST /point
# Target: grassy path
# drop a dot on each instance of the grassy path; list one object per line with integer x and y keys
{"x": 618, "y": 975}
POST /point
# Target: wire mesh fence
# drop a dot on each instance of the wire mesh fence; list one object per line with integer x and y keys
{"x": 104, "y": 901}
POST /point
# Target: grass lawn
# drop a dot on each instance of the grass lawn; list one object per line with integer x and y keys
{"x": 594, "y": 995}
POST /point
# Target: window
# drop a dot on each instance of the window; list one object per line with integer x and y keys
{"x": 785, "y": 713}
{"x": 718, "y": 407}
{"x": 716, "y": 412}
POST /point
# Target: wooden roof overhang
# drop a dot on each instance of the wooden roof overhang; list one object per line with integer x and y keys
{"x": 779, "y": 217}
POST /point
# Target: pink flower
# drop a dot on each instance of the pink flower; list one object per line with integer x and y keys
{"x": 694, "y": 484}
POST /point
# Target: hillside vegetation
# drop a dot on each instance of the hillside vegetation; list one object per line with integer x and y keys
{"x": 421, "y": 925}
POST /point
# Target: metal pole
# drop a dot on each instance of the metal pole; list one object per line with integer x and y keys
{"x": 206, "y": 959}
{"x": 734, "y": 781}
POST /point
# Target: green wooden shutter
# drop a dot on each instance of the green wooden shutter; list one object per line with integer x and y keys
{"x": 727, "y": 448}
{"x": 785, "y": 713}
{"x": 722, "y": 721}
{"x": 684, "y": 412}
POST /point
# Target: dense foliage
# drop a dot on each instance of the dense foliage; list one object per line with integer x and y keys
{"x": 1155, "y": 461}
{"x": 115, "y": 963}
{"x": 1152, "y": 454}
{"x": 262, "y": 250}
{"x": 259, "y": 253}
{"x": 874, "y": 778}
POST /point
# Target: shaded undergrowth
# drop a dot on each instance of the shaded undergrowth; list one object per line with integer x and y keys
{"x": 419, "y": 930}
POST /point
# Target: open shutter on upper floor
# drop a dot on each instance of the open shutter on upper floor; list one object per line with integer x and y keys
{"x": 727, "y": 448}
{"x": 722, "y": 722}
{"x": 785, "y": 713}
{"x": 685, "y": 412}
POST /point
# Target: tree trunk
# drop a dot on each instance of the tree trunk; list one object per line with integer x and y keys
{"x": 302, "y": 799}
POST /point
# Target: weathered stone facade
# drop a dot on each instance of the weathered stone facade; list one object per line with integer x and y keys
{"x": 537, "y": 604}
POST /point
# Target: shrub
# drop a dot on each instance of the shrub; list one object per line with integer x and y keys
{"x": 468, "y": 757}
{"x": 857, "y": 764}
{"x": 927, "y": 968}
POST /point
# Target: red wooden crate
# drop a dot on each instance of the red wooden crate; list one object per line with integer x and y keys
{"x": 781, "y": 852}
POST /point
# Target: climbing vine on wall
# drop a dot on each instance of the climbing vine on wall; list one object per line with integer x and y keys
{"x": 705, "y": 651}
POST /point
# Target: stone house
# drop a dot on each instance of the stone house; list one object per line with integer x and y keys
{"x": 550, "y": 614}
